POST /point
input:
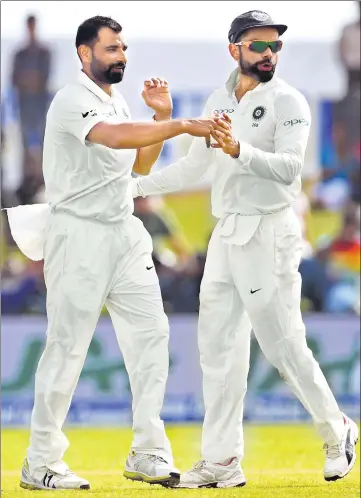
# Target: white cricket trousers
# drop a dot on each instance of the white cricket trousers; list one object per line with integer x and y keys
{"x": 88, "y": 264}
{"x": 256, "y": 285}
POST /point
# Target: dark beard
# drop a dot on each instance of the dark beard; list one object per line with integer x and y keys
{"x": 115, "y": 76}
{"x": 109, "y": 76}
{"x": 254, "y": 72}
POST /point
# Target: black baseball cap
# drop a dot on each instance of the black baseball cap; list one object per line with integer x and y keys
{"x": 252, "y": 19}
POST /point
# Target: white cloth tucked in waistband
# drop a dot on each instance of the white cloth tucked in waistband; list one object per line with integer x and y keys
{"x": 27, "y": 225}
{"x": 238, "y": 230}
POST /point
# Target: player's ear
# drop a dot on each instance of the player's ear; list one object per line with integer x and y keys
{"x": 234, "y": 51}
{"x": 85, "y": 53}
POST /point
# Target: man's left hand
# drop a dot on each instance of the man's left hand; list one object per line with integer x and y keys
{"x": 157, "y": 96}
{"x": 224, "y": 137}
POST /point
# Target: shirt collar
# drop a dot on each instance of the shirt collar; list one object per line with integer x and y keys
{"x": 94, "y": 88}
{"x": 234, "y": 78}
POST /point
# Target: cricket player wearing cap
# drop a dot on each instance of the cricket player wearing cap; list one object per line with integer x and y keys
{"x": 251, "y": 276}
{"x": 97, "y": 253}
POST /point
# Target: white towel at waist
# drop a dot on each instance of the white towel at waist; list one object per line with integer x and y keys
{"x": 27, "y": 225}
{"x": 238, "y": 230}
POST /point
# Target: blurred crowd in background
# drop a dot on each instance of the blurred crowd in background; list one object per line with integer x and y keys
{"x": 330, "y": 265}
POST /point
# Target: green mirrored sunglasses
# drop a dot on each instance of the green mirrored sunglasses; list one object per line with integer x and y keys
{"x": 261, "y": 46}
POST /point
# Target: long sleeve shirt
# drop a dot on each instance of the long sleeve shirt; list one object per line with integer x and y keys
{"x": 272, "y": 124}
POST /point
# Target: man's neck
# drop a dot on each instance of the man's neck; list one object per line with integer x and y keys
{"x": 32, "y": 42}
{"x": 245, "y": 84}
{"x": 104, "y": 86}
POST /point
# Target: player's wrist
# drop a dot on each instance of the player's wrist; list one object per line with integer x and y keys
{"x": 237, "y": 150}
{"x": 185, "y": 125}
{"x": 162, "y": 116}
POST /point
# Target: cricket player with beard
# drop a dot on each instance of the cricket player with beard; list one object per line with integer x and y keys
{"x": 251, "y": 276}
{"x": 96, "y": 252}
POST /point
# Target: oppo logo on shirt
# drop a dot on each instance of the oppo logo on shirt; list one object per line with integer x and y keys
{"x": 221, "y": 111}
{"x": 293, "y": 122}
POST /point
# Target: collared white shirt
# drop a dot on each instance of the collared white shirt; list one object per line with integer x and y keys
{"x": 82, "y": 178}
{"x": 272, "y": 124}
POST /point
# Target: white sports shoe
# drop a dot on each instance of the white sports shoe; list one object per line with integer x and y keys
{"x": 45, "y": 478}
{"x": 213, "y": 475}
{"x": 152, "y": 469}
{"x": 340, "y": 458}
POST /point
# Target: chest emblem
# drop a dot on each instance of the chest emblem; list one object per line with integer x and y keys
{"x": 258, "y": 113}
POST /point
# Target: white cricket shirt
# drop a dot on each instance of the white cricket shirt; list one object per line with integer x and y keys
{"x": 272, "y": 124}
{"x": 85, "y": 179}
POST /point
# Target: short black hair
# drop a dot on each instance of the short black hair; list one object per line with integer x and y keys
{"x": 88, "y": 31}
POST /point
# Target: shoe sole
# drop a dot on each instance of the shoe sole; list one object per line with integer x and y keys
{"x": 336, "y": 478}
{"x": 352, "y": 463}
{"x": 171, "y": 480}
{"x": 218, "y": 484}
{"x": 35, "y": 487}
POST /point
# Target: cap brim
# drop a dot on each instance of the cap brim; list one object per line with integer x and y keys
{"x": 281, "y": 28}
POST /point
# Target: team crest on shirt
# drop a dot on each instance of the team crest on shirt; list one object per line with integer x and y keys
{"x": 258, "y": 113}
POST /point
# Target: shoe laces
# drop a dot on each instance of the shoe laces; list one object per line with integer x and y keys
{"x": 332, "y": 451}
{"x": 200, "y": 465}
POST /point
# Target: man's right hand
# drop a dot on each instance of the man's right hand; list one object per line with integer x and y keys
{"x": 135, "y": 135}
{"x": 201, "y": 127}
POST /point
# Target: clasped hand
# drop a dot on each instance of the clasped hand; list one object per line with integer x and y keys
{"x": 224, "y": 136}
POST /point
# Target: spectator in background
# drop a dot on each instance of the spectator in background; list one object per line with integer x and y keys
{"x": 7, "y": 200}
{"x": 340, "y": 182}
{"x": 163, "y": 232}
{"x": 346, "y": 113}
{"x": 23, "y": 288}
{"x": 315, "y": 278}
{"x": 349, "y": 50}
{"x": 178, "y": 270}
{"x": 331, "y": 279}
{"x": 344, "y": 265}
{"x": 341, "y": 178}
{"x": 4, "y": 227}
{"x": 31, "y": 69}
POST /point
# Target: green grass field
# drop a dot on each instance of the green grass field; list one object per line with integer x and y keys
{"x": 280, "y": 461}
